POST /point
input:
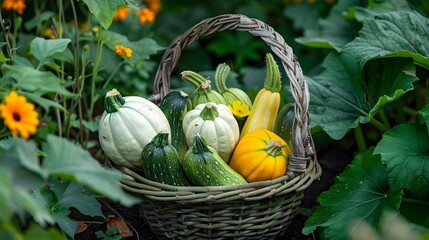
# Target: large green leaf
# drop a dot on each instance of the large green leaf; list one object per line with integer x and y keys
{"x": 41, "y": 101}
{"x": 43, "y": 49}
{"x": 103, "y": 10}
{"x": 404, "y": 149}
{"x": 35, "y": 232}
{"x": 343, "y": 96}
{"x": 59, "y": 197}
{"x": 5, "y": 192}
{"x": 360, "y": 194}
{"x": 23, "y": 175}
{"x": 32, "y": 80}
{"x": 68, "y": 161}
{"x": 335, "y": 31}
{"x": 376, "y": 7}
{"x": 305, "y": 16}
{"x": 142, "y": 49}
{"x": 394, "y": 34}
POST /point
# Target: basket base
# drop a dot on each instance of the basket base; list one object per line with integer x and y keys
{"x": 262, "y": 219}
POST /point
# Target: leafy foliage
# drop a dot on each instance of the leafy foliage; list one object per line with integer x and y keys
{"x": 69, "y": 161}
{"x": 375, "y": 39}
{"x": 344, "y": 96}
{"x": 360, "y": 193}
{"x": 404, "y": 150}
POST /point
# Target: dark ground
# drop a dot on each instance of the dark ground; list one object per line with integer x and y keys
{"x": 333, "y": 158}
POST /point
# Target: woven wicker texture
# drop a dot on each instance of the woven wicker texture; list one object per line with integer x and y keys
{"x": 260, "y": 210}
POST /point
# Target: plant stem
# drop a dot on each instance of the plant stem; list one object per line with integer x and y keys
{"x": 415, "y": 202}
{"x": 384, "y": 118}
{"x": 360, "y": 140}
{"x": 8, "y": 47}
{"x": 77, "y": 71}
{"x": 400, "y": 111}
{"x": 380, "y": 126}
{"x": 95, "y": 70}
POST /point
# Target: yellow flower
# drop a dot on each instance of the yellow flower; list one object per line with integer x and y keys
{"x": 123, "y": 51}
{"x": 19, "y": 115}
{"x": 16, "y": 5}
{"x": 146, "y": 15}
{"x": 239, "y": 109}
{"x": 121, "y": 13}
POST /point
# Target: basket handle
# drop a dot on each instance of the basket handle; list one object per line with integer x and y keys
{"x": 302, "y": 143}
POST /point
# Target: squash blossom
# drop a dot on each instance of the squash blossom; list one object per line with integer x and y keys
{"x": 239, "y": 109}
{"x": 15, "y": 5}
{"x": 121, "y": 50}
{"x": 19, "y": 115}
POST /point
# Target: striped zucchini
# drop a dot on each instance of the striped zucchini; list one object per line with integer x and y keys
{"x": 161, "y": 163}
{"x": 204, "y": 167}
{"x": 175, "y": 105}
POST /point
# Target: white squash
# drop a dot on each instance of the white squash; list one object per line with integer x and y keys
{"x": 216, "y": 124}
{"x": 127, "y": 125}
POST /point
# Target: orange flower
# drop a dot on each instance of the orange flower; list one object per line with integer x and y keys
{"x": 16, "y": 5}
{"x": 121, "y": 13}
{"x": 48, "y": 33}
{"x": 146, "y": 15}
{"x": 19, "y": 115}
{"x": 121, "y": 50}
{"x": 154, "y": 5}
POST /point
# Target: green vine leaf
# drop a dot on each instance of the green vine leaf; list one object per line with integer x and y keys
{"x": 103, "y": 10}
{"x": 343, "y": 96}
{"x": 71, "y": 162}
{"x": 42, "y": 49}
{"x": 334, "y": 31}
{"x": 404, "y": 150}
{"x": 360, "y": 194}
{"x": 32, "y": 80}
{"x": 375, "y": 39}
{"x": 59, "y": 197}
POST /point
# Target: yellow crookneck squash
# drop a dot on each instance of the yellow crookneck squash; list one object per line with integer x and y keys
{"x": 260, "y": 155}
{"x": 267, "y": 101}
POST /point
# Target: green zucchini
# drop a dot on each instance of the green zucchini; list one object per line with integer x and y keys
{"x": 284, "y": 122}
{"x": 160, "y": 162}
{"x": 204, "y": 167}
{"x": 175, "y": 105}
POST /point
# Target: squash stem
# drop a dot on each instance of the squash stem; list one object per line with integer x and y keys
{"x": 274, "y": 147}
{"x": 221, "y": 74}
{"x": 272, "y": 80}
{"x": 200, "y": 147}
{"x": 160, "y": 140}
{"x": 113, "y": 101}
{"x": 209, "y": 112}
{"x": 194, "y": 78}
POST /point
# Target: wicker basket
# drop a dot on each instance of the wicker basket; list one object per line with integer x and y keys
{"x": 259, "y": 210}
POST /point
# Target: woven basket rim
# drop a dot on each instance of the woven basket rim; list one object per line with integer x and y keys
{"x": 305, "y": 167}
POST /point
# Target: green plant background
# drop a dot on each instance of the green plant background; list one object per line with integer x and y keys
{"x": 366, "y": 64}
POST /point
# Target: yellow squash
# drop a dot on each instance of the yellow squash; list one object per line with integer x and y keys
{"x": 267, "y": 102}
{"x": 260, "y": 155}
